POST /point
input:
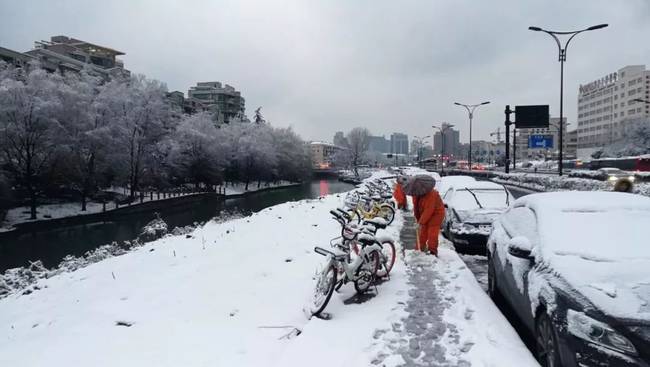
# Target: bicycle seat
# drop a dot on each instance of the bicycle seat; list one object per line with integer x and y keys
{"x": 377, "y": 222}
{"x": 366, "y": 239}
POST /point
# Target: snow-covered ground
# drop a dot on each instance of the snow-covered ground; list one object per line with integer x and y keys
{"x": 232, "y": 294}
{"x": 53, "y": 211}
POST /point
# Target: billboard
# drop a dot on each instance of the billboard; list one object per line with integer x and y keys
{"x": 540, "y": 141}
{"x": 535, "y": 116}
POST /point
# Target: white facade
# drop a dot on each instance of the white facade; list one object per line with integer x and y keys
{"x": 606, "y": 107}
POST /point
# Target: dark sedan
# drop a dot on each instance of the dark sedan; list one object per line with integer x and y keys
{"x": 574, "y": 267}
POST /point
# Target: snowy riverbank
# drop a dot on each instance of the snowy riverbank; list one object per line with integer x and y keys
{"x": 47, "y": 212}
{"x": 231, "y": 294}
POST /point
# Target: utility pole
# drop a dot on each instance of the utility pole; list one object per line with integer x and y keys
{"x": 508, "y": 112}
{"x": 470, "y": 111}
{"x": 562, "y": 59}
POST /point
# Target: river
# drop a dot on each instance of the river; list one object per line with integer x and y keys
{"x": 51, "y": 245}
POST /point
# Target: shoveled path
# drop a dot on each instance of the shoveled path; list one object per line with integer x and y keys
{"x": 447, "y": 320}
{"x": 423, "y": 337}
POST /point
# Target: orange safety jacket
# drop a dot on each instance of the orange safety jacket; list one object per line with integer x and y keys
{"x": 399, "y": 195}
{"x": 429, "y": 210}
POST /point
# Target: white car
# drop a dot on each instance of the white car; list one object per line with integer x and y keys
{"x": 471, "y": 207}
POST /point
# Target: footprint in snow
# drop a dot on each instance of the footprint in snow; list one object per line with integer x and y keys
{"x": 234, "y": 312}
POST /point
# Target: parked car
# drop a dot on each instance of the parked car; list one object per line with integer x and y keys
{"x": 574, "y": 267}
{"x": 471, "y": 207}
{"x": 443, "y": 184}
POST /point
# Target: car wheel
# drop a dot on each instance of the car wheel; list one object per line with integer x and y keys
{"x": 548, "y": 354}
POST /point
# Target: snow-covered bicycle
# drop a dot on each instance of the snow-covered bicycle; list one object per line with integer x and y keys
{"x": 341, "y": 268}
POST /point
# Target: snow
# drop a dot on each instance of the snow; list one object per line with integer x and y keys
{"x": 597, "y": 243}
{"x": 232, "y": 294}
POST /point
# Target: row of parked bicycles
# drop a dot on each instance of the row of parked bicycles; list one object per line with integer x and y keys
{"x": 358, "y": 255}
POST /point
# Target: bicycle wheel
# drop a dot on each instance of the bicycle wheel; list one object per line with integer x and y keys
{"x": 387, "y": 260}
{"x": 387, "y": 212}
{"x": 365, "y": 275}
{"x": 324, "y": 289}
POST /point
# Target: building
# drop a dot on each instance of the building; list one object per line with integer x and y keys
{"x": 339, "y": 139}
{"x": 606, "y": 108}
{"x": 399, "y": 143}
{"x": 224, "y": 101}
{"x": 65, "y": 54}
{"x": 14, "y": 58}
{"x": 571, "y": 146}
{"x": 189, "y": 106}
{"x": 524, "y": 152}
{"x": 451, "y": 143}
{"x": 379, "y": 144}
{"x": 322, "y": 154}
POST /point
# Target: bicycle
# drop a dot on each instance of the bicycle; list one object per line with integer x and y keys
{"x": 361, "y": 270}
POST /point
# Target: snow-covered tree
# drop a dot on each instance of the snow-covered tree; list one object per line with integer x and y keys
{"x": 29, "y": 130}
{"x": 197, "y": 154}
{"x": 140, "y": 119}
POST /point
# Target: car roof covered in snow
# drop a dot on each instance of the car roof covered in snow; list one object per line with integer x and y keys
{"x": 447, "y": 182}
{"x": 567, "y": 201}
{"x": 597, "y": 242}
{"x": 479, "y": 185}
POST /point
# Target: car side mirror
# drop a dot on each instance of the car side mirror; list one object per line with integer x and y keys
{"x": 520, "y": 247}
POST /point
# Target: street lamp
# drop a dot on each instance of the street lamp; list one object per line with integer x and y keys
{"x": 562, "y": 59}
{"x": 442, "y": 130}
{"x": 470, "y": 111}
{"x": 419, "y": 139}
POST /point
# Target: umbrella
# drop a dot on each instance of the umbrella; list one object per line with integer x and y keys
{"x": 419, "y": 185}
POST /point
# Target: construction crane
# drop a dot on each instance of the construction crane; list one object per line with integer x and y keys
{"x": 498, "y": 134}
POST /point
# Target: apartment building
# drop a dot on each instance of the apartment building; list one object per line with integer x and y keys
{"x": 607, "y": 108}
{"x": 64, "y": 54}
{"x": 223, "y": 100}
{"x": 399, "y": 143}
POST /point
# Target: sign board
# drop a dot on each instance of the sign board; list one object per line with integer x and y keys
{"x": 535, "y": 116}
{"x": 540, "y": 141}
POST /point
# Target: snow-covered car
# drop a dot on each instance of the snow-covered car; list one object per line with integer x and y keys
{"x": 443, "y": 184}
{"x": 470, "y": 210}
{"x": 574, "y": 267}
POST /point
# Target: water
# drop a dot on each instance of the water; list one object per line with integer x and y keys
{"x": 51, "y": 245}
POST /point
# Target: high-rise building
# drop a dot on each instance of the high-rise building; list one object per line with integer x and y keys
{"x": 606, "y": 108}
{"x": 339, "y": 139}
{"x": 379, "y": 144}
{"x": 451, "y": 143}
{"x": 62, "y": 53}
{"x": 224, "y": 101}
{"x": 399, "y": 143}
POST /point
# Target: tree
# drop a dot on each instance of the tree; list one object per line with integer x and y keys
{"x": 87, "y": 133}
{"x": 140, "y": 120}
{"x": 358, "y": 140}
{"x": 29, "y": 131}
{"x": 197, "y": 154}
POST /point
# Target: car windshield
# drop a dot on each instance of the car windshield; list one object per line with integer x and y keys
{"x": 481, "y": 198}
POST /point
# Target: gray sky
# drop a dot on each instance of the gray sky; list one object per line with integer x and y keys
{"x": 323, "y": 66}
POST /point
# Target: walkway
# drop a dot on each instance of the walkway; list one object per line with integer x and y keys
{"x": 441, "y": 325}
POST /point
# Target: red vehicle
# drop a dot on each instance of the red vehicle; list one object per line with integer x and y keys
{"x": 640, "y": 163}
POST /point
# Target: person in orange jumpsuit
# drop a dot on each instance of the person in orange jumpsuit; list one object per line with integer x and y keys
{"x": 429, "y": 212}
{"x": 398, "y": 193}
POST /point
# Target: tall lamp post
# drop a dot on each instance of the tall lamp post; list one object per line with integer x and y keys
{"x": 420, "y": 139}
{"x": 470, "y": 111}
{"x": 562, "y": 59}
{"x": 442, "y": 130}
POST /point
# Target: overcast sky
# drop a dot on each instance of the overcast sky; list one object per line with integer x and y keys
{"x": 323, "y": 66}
